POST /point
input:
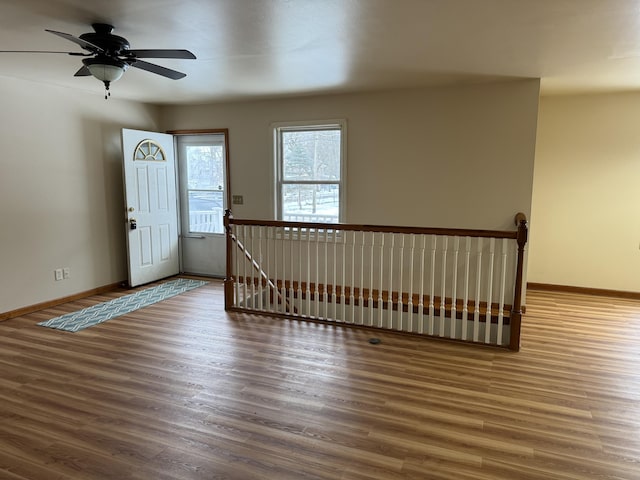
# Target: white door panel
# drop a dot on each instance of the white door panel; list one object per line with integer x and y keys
{"x": 204, "y": 255}
{"x": 150, "y": 198}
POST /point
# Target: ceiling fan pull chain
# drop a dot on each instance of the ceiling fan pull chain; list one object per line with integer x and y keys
{"x": 107, "y": 93}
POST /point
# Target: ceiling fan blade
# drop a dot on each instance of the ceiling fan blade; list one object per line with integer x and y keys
{"x": 83, "y": 72}
{"x": 157, "y": 69}
{"x": 77, "y": 54}
{"x": 83, "y": 43}
{"x": 186, "y": 54}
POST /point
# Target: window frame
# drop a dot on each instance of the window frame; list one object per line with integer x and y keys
{"x": 311, "y": 125}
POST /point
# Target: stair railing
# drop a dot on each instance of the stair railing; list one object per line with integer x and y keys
{"x": 447, "y": 283}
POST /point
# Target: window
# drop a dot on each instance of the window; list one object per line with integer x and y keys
{"x": 310, "y": 168}
{"x": 202, "y": 163}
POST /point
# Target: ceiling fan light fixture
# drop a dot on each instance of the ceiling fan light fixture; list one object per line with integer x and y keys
{"x": 105, "y": 69}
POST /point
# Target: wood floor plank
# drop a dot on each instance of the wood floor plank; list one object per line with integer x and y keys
{"x": 182, "y": 390}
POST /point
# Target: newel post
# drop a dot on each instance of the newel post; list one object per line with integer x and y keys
{"x": 516, "y": 312}
{"x": 228, "y": 277}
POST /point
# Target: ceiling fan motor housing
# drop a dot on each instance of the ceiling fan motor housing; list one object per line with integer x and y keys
{"x": 103, "y": 38}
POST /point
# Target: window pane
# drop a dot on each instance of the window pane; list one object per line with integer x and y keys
{"x": 205, "y": 167}
{"x": 311, "y": 203}
{"x": 206, "y": 211}
{"x": 311, "y": 155}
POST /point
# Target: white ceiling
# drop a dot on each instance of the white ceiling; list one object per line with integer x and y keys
{"x": 266, "y": 48}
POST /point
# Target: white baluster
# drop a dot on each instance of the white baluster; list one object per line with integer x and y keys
{"x": 432, "y": 295}
{"x": 267, "y": 270}
{"x": 252, "y": 286}
{"x": 325, "y": 280}
{"x": 370, "y": 299}
{"x": 361, "y": 290}
{"x": 443, "y": 287}
{"x": 283, "y": 286}
{"x": 412, "y": 246}
{"x": 316, "y": 296}
{"x": 299, "y": 294}
{"x": 454, "y": 288}
{"x": 276, "y": 259}
{"x": 390, "y": 293}
{"x": 307, "y": 288}
{"x": 292, "y": 299}
{"x": 421, "y": 298}
{"x": 465, "y": 305}
{"x": 260, "y": 262}
{"x": 244, "y": 267}
{"x": 400, "y": 299}
{"x": 334, "y": 297}
{"x": 381, "y": 289}
{"x": 503, "y": 278}
{"x": 343, "y": 297}
{"x": 487, "y": 328}
{"x": 476, "y": 312}
{"x": 236, "y": 274}
{"x": 352, "y": 298}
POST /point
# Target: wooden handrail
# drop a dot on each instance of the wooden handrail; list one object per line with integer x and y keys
{"x": 459, "y": 232}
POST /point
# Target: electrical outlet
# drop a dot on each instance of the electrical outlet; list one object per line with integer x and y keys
{"x": 58, "y": 274}
{"x": 237, "y": 199}
{"x": 66, "y": 272}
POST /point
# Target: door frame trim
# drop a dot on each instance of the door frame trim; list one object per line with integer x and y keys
{"x": 227, "y": 166}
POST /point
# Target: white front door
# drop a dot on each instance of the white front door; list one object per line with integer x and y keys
{"x": 150, "y": 196}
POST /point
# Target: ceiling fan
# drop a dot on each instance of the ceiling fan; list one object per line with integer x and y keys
{"x": 109, "y": 55}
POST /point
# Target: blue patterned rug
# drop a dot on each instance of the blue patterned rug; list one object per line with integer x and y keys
{"x": 88, "y": 317}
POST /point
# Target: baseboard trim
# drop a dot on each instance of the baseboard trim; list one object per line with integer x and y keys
{"x": 601, "y": 292}
{"x": 59, "y": 301}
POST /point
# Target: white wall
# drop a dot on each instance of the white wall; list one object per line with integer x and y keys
{"x": 451, "y": 157}
{"x": 586, "y": 197}
{"x": 61, "y": 200}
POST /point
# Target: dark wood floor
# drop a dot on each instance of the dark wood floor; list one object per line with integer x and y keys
{"x": 181, "y": 390}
